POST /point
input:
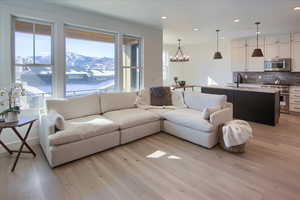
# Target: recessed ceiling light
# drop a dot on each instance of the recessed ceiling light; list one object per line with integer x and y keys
{"x": 222, "y": 38}
{"x": 258, "y": 32}
{"x": 164, "y": 17}
{"x": 297, "y": 8}
{"x": 236, "y": 20}
{"x": 195, "y": 29}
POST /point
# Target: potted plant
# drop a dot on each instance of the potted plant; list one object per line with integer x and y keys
{"x": 176, "y": 80}
{"x": 9, "y": 100}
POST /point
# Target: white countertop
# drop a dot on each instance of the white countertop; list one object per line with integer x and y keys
{"x": 246, "y": 87}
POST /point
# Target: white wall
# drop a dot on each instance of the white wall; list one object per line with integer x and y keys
{"x": 202, "y": 68}
{"x": 152, "y": 38}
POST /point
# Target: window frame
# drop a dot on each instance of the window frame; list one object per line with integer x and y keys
{"x": 14, "y": 65}
{"x": 116, "y": 53}
{"x": 140, "y": 59}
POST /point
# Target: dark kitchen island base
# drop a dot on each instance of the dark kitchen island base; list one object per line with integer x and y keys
{"x": 250, "y": 105}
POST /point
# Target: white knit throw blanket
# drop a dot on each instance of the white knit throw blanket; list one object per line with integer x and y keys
{"x": 236, "y": 132}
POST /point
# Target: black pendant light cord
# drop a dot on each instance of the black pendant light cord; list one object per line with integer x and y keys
{"x": 257, "y": 36}
{"x": 218, "y": 39}
{"x": 257, "y": 23}
{"x": 179, "y": 49}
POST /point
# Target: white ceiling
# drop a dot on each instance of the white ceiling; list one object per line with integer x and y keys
{"x": 277, "y": 16}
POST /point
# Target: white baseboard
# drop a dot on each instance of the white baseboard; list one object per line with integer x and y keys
{"x": 15, "y": 145}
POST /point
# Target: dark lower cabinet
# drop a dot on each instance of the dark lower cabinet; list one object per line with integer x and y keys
{"x": 250, "y": 105}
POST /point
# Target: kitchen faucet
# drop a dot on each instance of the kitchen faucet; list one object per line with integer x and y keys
{"x": 238, "y": 79}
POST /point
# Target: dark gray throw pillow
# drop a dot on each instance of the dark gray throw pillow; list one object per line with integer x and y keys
{"x": 161, "y": 96}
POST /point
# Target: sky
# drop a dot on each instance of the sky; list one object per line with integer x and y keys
{"x": 24, "y": 46}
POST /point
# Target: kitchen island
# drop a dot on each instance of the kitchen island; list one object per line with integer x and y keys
{"x": 261, "y": 105}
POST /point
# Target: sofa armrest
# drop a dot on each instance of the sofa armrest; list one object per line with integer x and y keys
{"x": 221, "y": 117}
{"x": 45, "y": 130}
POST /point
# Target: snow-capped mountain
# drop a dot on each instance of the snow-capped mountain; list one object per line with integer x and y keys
{"x": 74, "y": 62}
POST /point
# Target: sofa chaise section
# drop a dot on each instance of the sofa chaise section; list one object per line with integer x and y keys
{"x": 189, "y": 123}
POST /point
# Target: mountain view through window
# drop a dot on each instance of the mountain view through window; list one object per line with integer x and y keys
{"x": 89, "y": 60}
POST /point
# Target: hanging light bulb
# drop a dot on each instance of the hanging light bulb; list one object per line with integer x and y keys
{"x": 179, "y": 56}
{"x": 257, "y": 52}
{"x": 218, "y": 54}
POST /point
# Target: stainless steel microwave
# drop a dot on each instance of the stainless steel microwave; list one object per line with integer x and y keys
{"x": 278, "y": 65}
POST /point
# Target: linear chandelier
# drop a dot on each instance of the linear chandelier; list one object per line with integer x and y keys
{"x": 179, "y": 56}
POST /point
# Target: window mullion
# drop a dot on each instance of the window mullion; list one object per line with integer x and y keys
{"x": 33, "y": 37}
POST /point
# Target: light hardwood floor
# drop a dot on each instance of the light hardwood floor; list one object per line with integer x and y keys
{"x": 175, "y": 169}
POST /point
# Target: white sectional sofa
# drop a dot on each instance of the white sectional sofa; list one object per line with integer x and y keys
{"x": 101, "y": 121}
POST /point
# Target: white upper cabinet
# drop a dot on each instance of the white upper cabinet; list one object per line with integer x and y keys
{"x": 278, "y": 46}
{"x": 296, "y": 53}
{"x": 238, "y": 55}
{"x": 273, "y": 46}
{"x": 255, "y": 64}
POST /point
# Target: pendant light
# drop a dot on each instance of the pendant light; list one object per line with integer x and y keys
{"x": 218, "y": 54}
{"x": 179, "y": 56}
{"x": 257, "y": 52}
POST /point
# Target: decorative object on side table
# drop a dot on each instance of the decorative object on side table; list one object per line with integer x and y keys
{"x": 9, "y": 98}
{"x": 181, "y": 83}
{"x": 176, "y": 80}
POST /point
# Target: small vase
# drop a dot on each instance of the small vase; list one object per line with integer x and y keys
{"x": 11, "y": 117}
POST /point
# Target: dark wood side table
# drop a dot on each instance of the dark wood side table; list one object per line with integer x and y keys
{"x": 14, "y": 125}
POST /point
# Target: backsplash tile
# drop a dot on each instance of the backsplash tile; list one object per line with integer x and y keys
{"x": 291, "y": 78}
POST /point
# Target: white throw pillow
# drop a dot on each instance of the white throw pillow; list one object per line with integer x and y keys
{"x": 143, "y": 97}
{"x": 57, "y": 120}
{"x": 210, "y": 110}
{"x": 177, "y": 99}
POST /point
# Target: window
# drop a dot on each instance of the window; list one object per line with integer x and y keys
{"x": 165, "y": 69}
{"x": 33, "y": 56}
{"x": 132, "y": 69}
{"x": 90, "y": 61}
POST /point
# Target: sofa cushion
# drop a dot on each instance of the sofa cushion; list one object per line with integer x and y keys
{"x": 200, "y": 101}
{"x": 75, "y": 107}
{"x": 189, "y": 118}
{"x": 160, "y": 111}
{"x": 131, "y": 117}
{"x": 117, "y": 101}
{"x": 83, "y": 128}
